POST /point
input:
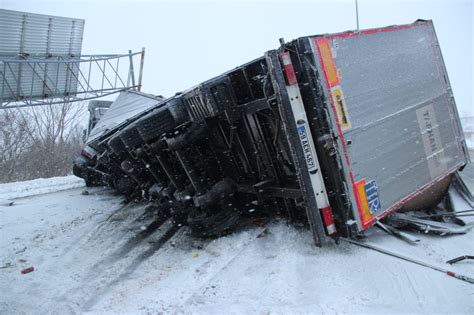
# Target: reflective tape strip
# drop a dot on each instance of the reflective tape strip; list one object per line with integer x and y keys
{"x": 328, "y": 220}
{"x": 329, "y": 66}
{"x": 362, "y": 204}
{"x": 288, "y": 66}
{"x": 331, "y": 229}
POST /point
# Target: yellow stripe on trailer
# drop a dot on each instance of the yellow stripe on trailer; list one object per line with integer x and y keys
{"x": 362, "y": 200}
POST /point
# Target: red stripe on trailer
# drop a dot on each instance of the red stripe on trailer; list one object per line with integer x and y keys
{"x": 288, "y": 66}
{"x": 328, "y": 220}
{"x": 328, "y": 88}
{"x": 339, "y": 130}
{"x": 372, "y": 31}
{"x": 341, "y": 135}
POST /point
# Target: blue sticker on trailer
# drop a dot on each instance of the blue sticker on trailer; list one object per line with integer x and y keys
{"x": 372, "y": 193}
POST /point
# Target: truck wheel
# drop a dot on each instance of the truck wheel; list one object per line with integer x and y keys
{"x": 125, "y": 186}
{"x": 89, "y": 182}
{"x": 116, "y": 144}
{"x": 130, "y": 137}
{"x": 155, "y": 124}
{"x": 213, "y": 222}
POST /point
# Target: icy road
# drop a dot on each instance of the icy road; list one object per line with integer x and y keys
{"x": 92, "y": 253}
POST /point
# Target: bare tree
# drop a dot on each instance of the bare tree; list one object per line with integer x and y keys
{"x": 14, "y": 142}
{"x": 40, "y": 141}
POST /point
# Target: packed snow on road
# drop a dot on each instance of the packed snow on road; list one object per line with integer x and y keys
{"x": 95, "y": 253}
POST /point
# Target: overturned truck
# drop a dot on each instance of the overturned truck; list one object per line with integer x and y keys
{"x": 335, "y": 130}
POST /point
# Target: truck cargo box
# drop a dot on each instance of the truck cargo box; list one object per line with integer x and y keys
{"x": 391, "y": 112}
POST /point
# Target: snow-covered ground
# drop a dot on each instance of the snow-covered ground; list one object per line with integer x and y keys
{"x": 92, "y": 253}
{"x": 38, "y": 186}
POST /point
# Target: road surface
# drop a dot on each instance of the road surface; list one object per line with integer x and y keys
{"x": 93, "y": 253}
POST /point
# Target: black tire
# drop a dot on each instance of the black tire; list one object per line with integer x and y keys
{"x": 188, "y": 135}
{"x": 130, "y": 167}
{"x": 125, "y": 186}
{"x": 209, "y": 223}
{"x": 117, "y": 146}
{"x": 77, "y": 171}
{"x": 90, "y": 182}
{"x": 155, "y": 124}
{"x": 130, "y": 137}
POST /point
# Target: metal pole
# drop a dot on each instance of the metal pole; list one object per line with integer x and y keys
{"x": 409, "y": 259}
{"x": 357, "y": 15}
{"x": 140, "y": 75}
{"x": 4, "y": 79}
{"x": 132, "y": 74}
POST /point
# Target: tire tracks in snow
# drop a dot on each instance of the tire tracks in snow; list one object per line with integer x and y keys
{"x": 257, "y": 233}
{"x": 105, "y": 273}
{"x": 130, "y": 269}
{"x": 179, "y": 274}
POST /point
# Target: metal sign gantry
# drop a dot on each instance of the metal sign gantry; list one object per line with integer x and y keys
{"x": 32, "y": 81}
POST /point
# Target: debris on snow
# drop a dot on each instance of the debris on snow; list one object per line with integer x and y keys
{"x": 27, "y": 270}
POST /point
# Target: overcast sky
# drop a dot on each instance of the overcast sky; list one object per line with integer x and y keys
{"x": 188, "y": 42}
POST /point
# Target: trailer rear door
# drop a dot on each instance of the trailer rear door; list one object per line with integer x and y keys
{"x": 393, "y": 111}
